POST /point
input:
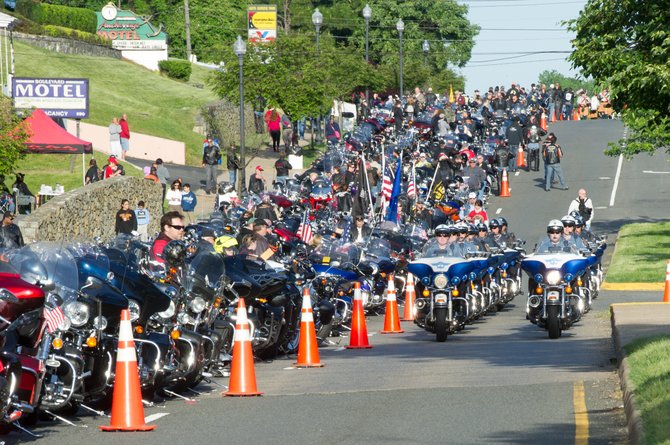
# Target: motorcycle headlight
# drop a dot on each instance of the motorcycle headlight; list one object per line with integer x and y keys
{"x": 538, "y": 278}
{"x": 455, "y": 281}
{"x": 197, "y": 305}
{"x": 440, "y": 281}
{"x": 553, "y": 277}
{"x": 134, "y": 309}
{"x": 77, "y": 312}
{"x": 65, "y": 324}
{"x": 169, "y": 312}
{"x": 569, "y": 277}
{"x": 100, "y": 322}
{"x": 473, "y": 275}
{"x": 184, "y": 318}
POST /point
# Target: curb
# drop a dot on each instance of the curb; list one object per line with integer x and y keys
{"x": 633, "y": 286}
{"x": 633, "y": 414}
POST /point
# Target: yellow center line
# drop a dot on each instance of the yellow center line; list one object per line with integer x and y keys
{"x": 581, "y": 414}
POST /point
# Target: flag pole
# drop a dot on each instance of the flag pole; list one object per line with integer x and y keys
{"x": 370, "y": 211}
{"x": 432, "y": 183}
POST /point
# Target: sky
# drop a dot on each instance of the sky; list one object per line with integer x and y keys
{"x": 510, "y": 28}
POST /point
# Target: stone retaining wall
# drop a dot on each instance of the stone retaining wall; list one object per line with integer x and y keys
{"x": 90, "y": 211}
{"x": 67, "y": 46}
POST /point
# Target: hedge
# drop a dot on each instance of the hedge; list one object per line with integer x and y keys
{"x": 175, "y": 69}
{"x": 76, "y": 18}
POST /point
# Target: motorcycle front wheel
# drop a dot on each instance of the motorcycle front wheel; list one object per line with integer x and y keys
{"x": 441, "y": 324}
{"x": 553, "y": 322}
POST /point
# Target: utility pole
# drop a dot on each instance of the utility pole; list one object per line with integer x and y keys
{"x": 187, "y": 28}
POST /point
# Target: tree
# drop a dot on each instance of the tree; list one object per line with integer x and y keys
{"x": 626, "y": 45}
{"x": 553, "y": 76}
{"x": 12, "y": 137}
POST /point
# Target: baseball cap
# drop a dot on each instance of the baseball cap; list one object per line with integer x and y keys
{"x": 260, "y": 222}
{"x": 258, "y": 167}
{"x": 8, "y": 214}
{"x": 441, "y": 154}
{"x": 472, "y": 195}
{"x": 112, "y": 160}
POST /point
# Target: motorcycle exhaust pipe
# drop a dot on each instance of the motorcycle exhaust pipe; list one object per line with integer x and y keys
{"x": 534, "y": 301}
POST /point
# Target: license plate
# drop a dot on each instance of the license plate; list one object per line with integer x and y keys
{"x": 553, "y": 296}
{"x": 440, "y": 298}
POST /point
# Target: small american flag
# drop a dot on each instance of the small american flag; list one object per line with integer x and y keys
{"x": 345, "y": 234}
{"x": 411, "y": 187}
{"x": 53, "y": 318}
{"x": 387, "y": 184}
{"x": 305, "y": 230}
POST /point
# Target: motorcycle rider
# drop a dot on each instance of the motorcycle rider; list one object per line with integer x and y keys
{"x": 552, "y": 154}
{"x": 172, "y": 228}
{"x": 10, "y": 233}
{"x": 496, "y": 234}
{"x": 476, "y": 176}
{"x": 554, "y": 241}
{"x": 514, "y": 137}
{"x": 568, "y": 232}
{"x": 501, "y": 160}
{"x": 510, "y": 237}
{"x": 533, "y": 135}
{"x": 440, "y": 244}
{"x": 361, "y": 231}
{"x": 584, "y": 206}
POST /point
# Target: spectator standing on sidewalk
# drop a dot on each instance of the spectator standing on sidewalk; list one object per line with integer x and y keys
{"x": 174, "y": 196}
{"x": 115, "y": 138}
{"x": 143, "y": 219}
{"x": 125, "y": 135}
{"x": 188, "y": 203}
{"x": 283, "y": 167}
{"x": 552, "y": 154}
{"x": 232, "y": 164}
{"x": 126, "y": 221}
{"x": 287, "y": 131}
{"x": 210, "y": 160}
{"x": 163, "y": 175}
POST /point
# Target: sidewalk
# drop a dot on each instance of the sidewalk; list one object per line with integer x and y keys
{"x": 630, "y": 322}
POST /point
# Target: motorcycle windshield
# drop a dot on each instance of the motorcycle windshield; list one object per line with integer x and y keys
{"x": 336, "y": 252}
{"x": 91, "y": 261}
{"x": 204, "y": 272}
{"x": 292, "y": 187}
{"x": 433, "y": 249}
{"x": 321, "y": 189}
{"x": 417, "y": 230}
{"x": 57, "y": 262}
{"x": 379, "y": 248}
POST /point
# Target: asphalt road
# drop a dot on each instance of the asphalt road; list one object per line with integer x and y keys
{"x": 499, "y": 381}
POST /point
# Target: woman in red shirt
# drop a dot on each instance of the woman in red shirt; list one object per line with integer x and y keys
{"x": 273, "y": 121}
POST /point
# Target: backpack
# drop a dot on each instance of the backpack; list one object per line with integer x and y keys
{"x": 584, "y": 212}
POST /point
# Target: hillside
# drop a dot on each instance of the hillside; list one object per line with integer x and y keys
{"x": 155, "y": 104}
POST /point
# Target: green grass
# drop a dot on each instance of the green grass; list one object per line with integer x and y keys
{"x": 641, "y": 254}
{"x": 155, "y": 105}
{"x": 649, "y": 361}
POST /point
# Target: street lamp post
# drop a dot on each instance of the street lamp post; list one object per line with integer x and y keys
{"x": 400, "y": 26}
{"x": 317, "y": 20}
{"x": 367, "y": 14}
{"x": 426, "y": 48}
{"x": 240, "y": 48}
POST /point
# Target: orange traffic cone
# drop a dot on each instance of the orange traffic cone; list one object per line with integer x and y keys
{"x": 575, "y": 115}
{"x": 391, "y": 318}
{"x": 521, "y": 158}
{"x": 560, "y": 115}
{"x": 308, "y": 350}
{"x": 666, "y": 294}
{"x": 127, "y": 409}
{"x": 410, "y": 296}
{"x": 504, "y": 188}
{"x": 242, "y": 374}
{"x": 543, "y": 121}
{"x": 358, "y": 339}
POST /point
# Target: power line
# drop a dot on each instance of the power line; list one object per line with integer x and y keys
{"x": 522, "y": 62}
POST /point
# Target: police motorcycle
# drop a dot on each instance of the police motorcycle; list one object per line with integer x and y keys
{"x": 556, "y": 270}
{"x": 444, "y": 302}
{"x": 81, "y": 358}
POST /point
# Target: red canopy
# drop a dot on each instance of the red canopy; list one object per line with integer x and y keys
{"x": 46, "y": 136}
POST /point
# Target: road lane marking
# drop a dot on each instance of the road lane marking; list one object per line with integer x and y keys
{"x": 581, "y": 414}
{"x": 600, "y": 207}
{"x": 655, "y": 173}
{"x": 604, "y": 178}
{"x": 517, "y": 173}
{"x": 616, "y": 181}
{"x": 153, "y": 417}
{"x": 499, "y": 210}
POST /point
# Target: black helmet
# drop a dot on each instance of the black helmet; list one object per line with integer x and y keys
{"x": 494, "y": 223}
{"x": 575, "y": 214}
{"x": 579, "y": 221}
{"x": 226, "y": 187}
{"x": 554, "y": 226}
{"x": 472, "y": 229}
{"x": 502, "y": 221}
{"x": 482, "y": 227}
{"x": 459, "y": 178}
{"x": 461, "y": 228}
{"x": 174, "y": 252}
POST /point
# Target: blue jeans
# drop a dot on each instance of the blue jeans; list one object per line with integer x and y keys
{"x": 512, "y": 160}
{"x": 550, "y": 110}
{"x": 232, "y": 177}
{"x": 549, "y": 171}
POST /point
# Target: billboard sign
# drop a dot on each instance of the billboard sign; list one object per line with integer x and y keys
{"x": 262, "y": 23}
{"x": 66, "y": 98}
{"x": 128, "y": 31}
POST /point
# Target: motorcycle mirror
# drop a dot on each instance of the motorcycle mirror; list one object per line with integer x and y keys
{"x": 47, "y": 285}
{"x": 92, "y": 283}
{"x": 7, "y": 296}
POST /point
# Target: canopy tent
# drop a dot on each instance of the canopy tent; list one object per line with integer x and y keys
{"x": 46, "y": 136}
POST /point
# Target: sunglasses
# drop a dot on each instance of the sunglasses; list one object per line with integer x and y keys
{"x": 555, "y": 232}
{"x": 177, "y": 227}
{"x": 442, "y": 235}
{"x": 568, "y": 224}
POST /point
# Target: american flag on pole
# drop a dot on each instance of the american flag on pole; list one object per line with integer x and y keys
{"x": 345, "y": 234}
{"x": 411, "y": 187}
{"x": 305, "y": 230}
{"x": 53, "y": 318}
{"x": 387, "y": 184}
